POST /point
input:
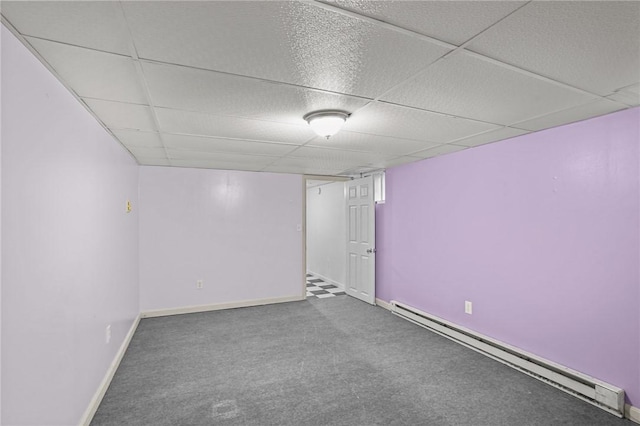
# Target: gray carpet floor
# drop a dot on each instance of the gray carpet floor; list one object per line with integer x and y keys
{"x": 334, "y": 361}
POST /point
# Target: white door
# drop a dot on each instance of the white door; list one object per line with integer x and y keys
{"x": 361, "y": 238}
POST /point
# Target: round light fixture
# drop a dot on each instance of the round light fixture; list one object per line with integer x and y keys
{"x": 326, "y": 123}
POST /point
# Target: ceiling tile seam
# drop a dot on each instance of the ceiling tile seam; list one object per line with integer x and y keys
{"x": 201, "y": 151}
{"x": 288, "y": 153}
{"x": 378, "y": 22}
{"x": 227, "y": 138}
{"x": 198, "y": 151}
{"x": 442, "y": 114}
{"x": 549, "y": 114}
{"x": 64, "y": 43}
{"x": 62, "y": 81}
{"x": 462, "y": 46}
{"x": 531, "y": 74}
{"x": 426, "y": 149}
{"x": 215, "y": 114}
{"x": 140, "y": 72}
{"x": 259, "y": 79}
{"x": 403, "y": 139}
{"x": 453, "y": 141}
{"x": 467, "y": 42}
{"x": 91, "y": 98}
{"x": 358, "y": 151}
{"x": 455, "y": 49}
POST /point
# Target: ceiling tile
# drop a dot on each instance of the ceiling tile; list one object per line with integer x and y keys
{"x": 195, "y": 123}
{"x": 218, "y": 93}
{"x": 136, "y": 139}
{"x": 337, "y": 156}
{"x": 304, "y": 166}
{"x": 291, "y": 42}
{"x": 147, "y": 153}
{"x": 370, "y": 143}
{"x": 120, "y": 115}
{"x": 396, "y": 121}
{"x": 93, "y": 74}
{"x": 397, "y": 161}
{"x": 591, "y": 45}
{"x": 93, "y": 24}
{"x": 467, "y": 86}
{"x": 451, "y": 21}
{"x": 214, "y": 164}
{"x": 154, "y": 162}
{"x": 253, "y": 160}
{"x": 492, "y": 136}
{"x": 439, "y": 150}
{"x": 582, "y": 112}
{"x": 629, "y": 95}
{"x": 202, "y": 144}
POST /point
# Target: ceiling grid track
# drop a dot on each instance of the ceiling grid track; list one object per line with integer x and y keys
{"x": 142, "y": 79}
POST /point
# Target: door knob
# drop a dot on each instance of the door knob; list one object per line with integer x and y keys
{"x": 371, "y": 250}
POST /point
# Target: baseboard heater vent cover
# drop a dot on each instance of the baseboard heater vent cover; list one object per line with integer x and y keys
{"x": 593, "y": 391}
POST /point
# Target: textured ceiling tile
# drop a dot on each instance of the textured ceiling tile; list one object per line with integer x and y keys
{"x": 93, "y": 74}
{"x": 136, "y": 139}
{"x": 290, "y": 42}
{"x": 370, "y": 143}
{"x": 629, "y": 95}
{"x": 306, "y": 166}
{"x": 337, "y": 156}
{"x": 451, "y": 21}
{"x": 218, "y": 157}
{"x": 154, "y": 162}
{"x": 214, "y": 164}
{"x": 470, "y": 87}
{"x": 439, "y": 150}
{"x": 93, "y": 24}
{"x": 409, "y": 123}
{"x": 591, "y": 45}
{"x": 207, "y": 91}
{"x": 119, "y": 115}
{"x": 195, "y": 123}
{"x": 397, "y": 161}
{"x": 196, "y": 143}
{"x": 147, "y": 153}
{"x": 488, "y": 137}
{"x": 582, "y": 112}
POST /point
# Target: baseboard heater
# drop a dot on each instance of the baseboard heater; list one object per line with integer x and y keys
{"x": 593, "y": 391}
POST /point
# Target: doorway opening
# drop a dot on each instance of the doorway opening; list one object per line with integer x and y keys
{"x": 326, "y": 259}
{"x": 339, "y": 235}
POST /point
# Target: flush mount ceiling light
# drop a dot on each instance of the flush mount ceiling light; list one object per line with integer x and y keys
{"x": 326, "y": 123}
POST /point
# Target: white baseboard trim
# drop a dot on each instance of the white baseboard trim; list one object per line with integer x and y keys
{"x": 383, "y": 304}
{"x": 218, "y": 306}
{"x": 106, "y": 381}
{"x": 328, "y": 280}
{"x": 632, "y": 413}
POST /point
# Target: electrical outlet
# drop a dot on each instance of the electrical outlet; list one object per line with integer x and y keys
{"x": 468, "y": 307}
{"x": 199, "y": 284}
{"x": 107, "y": 334}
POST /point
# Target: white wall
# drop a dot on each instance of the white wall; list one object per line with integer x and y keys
{"x": 326, "y": 245}
{"x": 236, "y": 231}
{"x": 69, "y": 250}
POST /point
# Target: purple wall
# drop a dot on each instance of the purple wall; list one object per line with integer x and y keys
{"x": 69, "y": 250}
{"x": 235, "y": 231}
{"x": 540, "y": 232}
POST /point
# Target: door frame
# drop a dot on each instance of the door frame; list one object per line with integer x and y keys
{"x": 305, "y": 178}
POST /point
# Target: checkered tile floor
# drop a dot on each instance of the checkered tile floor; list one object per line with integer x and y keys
{"x": 320, "y": 289}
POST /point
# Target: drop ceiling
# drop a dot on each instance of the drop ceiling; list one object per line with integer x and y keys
{"x": 225, "y": 84}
